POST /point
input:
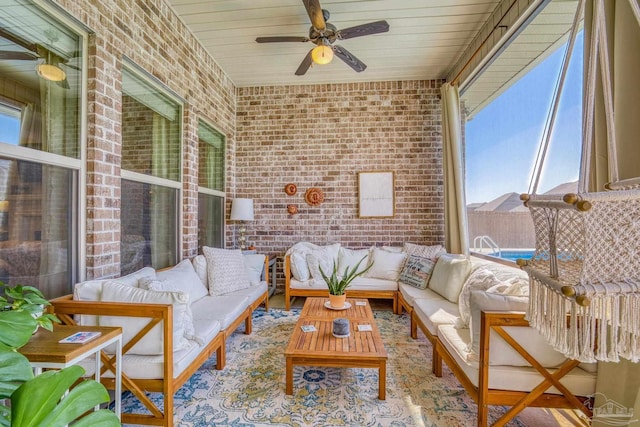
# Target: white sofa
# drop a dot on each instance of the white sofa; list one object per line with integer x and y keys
{"x": 302, "y": 276}
{"x": 173, "y": 320}
{"x": 465, "y": 312}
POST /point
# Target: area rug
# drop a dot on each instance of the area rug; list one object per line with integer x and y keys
{"x": 249, "y": 391}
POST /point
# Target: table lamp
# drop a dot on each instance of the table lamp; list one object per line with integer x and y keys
{"x": 242, "y": 210}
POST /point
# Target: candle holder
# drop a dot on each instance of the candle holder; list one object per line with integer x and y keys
{"x": 341, "y": 328}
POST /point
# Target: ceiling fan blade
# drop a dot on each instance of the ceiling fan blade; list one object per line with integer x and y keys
{"x": 347, "y": 57}
{"x": 305, "y": 64}
{"x": 15, "y": 55}
{"x": 315, "y": 14}
{"x": 364, "y": 30}
{"x": 278, "y": 39}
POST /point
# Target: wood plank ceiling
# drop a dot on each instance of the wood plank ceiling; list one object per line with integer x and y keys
{"x": 424, "y": 40}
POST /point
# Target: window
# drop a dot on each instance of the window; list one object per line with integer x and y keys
{"x": 211, "y": 146}
{"x": 507, "y": 107}
{"x": 151, "y": 155}
{"x": 41, "y": 123}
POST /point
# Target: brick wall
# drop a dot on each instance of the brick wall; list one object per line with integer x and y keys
{"x": 153, "y": 38}
{"x": 322, "y": 136}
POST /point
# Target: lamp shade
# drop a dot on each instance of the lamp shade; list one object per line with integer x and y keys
{"x": 322, "y": 54}
{"x": 51, "y": 72}
{"x": 242, "y": 209}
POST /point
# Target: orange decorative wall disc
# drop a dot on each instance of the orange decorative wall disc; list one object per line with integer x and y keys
{"x": 314, "y": 196}
{"x": 292, "y": 209}
{"x": 290, "y": 189}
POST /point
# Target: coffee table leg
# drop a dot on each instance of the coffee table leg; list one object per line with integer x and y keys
{"x": 289, "y": 376}
{"x": 382, "y": 381}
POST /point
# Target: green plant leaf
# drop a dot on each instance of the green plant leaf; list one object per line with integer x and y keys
{"x": 35, "y": 399}
{"x": 101, "y": 418}
{"x": 80, "y": 399}
{"x": 16, "y": 327}
{"x": 14, "y": 370}
{"x": 5, "y": 415}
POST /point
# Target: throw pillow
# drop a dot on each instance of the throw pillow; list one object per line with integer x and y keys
{"x": 320, "y": 259}
{"x": 449, "y": 274}
{"x": 152, "y": 342}
{"x": 226, "y": 271}
{"x": 186, "y": 278}
{"x": 349, "y": 258}
{"x": 386, "y": 265}
{"x": 200, "y": 266}
{"x": 299, "y": 266}
{"x": 169, "y": 286}
{"x": 480, "y": 279}
{"x": 254, "y": 263}
{"x": 417, "y": 271}
{"x": 431, "y": 252}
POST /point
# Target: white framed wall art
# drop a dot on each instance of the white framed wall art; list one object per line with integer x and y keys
{"x": 376, "y": 194}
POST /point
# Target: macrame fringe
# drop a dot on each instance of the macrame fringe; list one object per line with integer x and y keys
{"x": 605, "y": 330}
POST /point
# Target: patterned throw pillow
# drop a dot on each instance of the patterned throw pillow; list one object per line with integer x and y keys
{"x": 431, "y": 252}
{"x": 225, "y": 270}
{"x": 417, "y": 271}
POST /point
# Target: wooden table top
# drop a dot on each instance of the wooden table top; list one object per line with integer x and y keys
{"x": 44, "y": 346}
{"x": 321, "y": 343}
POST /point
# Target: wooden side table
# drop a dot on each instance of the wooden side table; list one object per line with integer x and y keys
{"x": 44, "y": 351}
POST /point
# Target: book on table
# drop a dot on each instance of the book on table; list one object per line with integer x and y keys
{"x": 80, "y": 337}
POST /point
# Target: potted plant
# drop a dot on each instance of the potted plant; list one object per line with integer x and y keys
{"x": 338, "y": 284}
{"x": 37, "y": 401}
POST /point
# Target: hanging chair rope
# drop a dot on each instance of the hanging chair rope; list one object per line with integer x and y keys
{"x": 584, "y": 276}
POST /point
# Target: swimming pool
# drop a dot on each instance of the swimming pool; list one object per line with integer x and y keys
{"x": 514, "y": 254}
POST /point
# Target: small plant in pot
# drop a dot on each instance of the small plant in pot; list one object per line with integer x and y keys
{"x": 338, "y": 284}
{"x": 38, "y": 401}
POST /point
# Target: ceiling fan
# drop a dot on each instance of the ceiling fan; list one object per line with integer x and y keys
{"x": 324, "y": 34}
{"x": 49, "y": 69}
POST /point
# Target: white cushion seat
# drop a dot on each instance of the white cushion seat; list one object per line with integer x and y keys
{"x": 411, "y": 293}
{"x": 252, "y": 293}
{"x": 501, "y": 377}
{"x": 223, "y": 308}
{"x": 433, "y": 313}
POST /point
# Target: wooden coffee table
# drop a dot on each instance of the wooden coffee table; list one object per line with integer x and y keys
{"x": 321, "y": 348}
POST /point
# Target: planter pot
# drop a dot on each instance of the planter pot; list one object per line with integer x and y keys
{"x": 337, "y": 301}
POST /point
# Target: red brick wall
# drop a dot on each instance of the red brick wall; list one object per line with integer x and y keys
{"x": 322, "y": 136}
{"x": 154, "y": 38}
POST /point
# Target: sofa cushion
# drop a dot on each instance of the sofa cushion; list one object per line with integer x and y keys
{"x": 325, "y": 257}
{"x": 386, "y": 265}
{"x": 183, "y": 277}
{"x": 449, "y": 275}
{"x": 431, "y": 252}
{"x": 153, "y": 341}
{"x": 349, "y": 258}
{"x": 91, "y": 290}
{"x": 254, "y": 264}
{"x": 359, "y": 283}
{"x": 480, "y": 279}
{"x": 253, "y": 292}
{"x": 200, "y": 266}
{"x": 226, "y": 271}
{"x": 223, "y": 308}
{"x": 417, "y": 271}
{"x": 299, "y": 266}
{"x": 410, "y": 294}
{"x": 435, "y": 312}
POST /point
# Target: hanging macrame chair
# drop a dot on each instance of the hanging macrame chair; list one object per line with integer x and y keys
{"x": 585, "y": 272}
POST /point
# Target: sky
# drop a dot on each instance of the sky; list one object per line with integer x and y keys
{"x": 503, "y": 138}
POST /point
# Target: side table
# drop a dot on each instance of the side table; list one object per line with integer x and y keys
{"x": 44, "y": 351}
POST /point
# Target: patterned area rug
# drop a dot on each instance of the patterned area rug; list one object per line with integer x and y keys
{"x": 249, "y": 392}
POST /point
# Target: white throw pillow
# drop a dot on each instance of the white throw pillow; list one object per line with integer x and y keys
{"x": 169, "y": 286}
{"x": 185, "y": 277}
{"x": 254, "y": 263}
{"x": 431, "y": 252}
{"x": 321, "y": 259}
{"x": 200, "y": 266}
{"x": 449, "y": 275}
{"x": 480, "y": 279}
{"x": 299, "y": 266}
{"x": 152, "y": 342}
{"x": 386, "y": 265}
{"x": 349, "y": 258}
{"x": 225, "y": 270}
{"x": 394, "y": 249}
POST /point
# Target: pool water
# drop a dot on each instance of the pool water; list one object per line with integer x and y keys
{"x": 514, "y": 255}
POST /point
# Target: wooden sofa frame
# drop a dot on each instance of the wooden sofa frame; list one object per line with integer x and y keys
{"x": 66, "y": 308}
{"x": 517, "y": 400}
{"x": 353, "y": 293}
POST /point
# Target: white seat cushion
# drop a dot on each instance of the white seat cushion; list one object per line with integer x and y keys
{"x": 456, "y": 341}
{"x": 253, "y": 292}
{"x": 411, "y": 293}
{"x": 223, "y": 308}
{"x": 434, "y": 313}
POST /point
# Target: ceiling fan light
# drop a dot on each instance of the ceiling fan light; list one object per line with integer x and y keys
{"x": 51, "y": 72}
{"x": 322, "y": 54}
